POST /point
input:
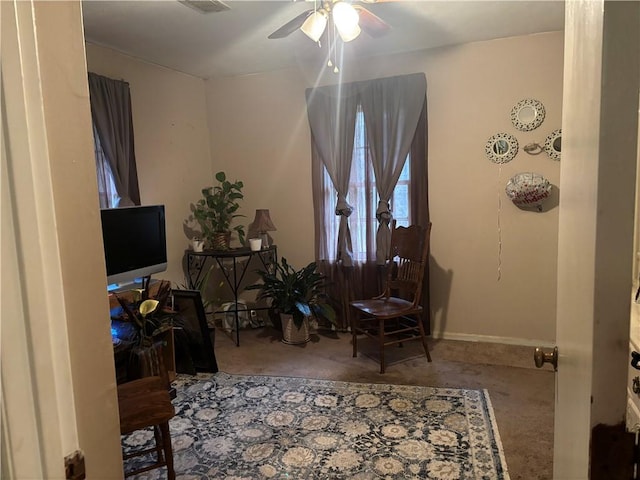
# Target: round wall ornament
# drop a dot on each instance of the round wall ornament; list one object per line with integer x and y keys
{"x": 528, "y": 190}
{"x": 501, "y": 148}
{"x": 553, "y": 144}
{"x": 527, "y": 114}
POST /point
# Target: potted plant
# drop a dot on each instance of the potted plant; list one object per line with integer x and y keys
{"x": 297, "y": 296}
{"x": 216, "y": 210}
{"x": 150, "y": 318}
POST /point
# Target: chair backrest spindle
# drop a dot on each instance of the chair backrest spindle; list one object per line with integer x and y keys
{"x": 407, "y": 261}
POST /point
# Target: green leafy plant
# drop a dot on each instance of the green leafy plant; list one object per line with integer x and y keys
{"x": 149, "y": 315}
{"x": 218, "y": 207}
{"x": 299, "y": 293}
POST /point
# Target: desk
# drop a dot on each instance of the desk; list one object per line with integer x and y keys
{"x": 233, "y": 264}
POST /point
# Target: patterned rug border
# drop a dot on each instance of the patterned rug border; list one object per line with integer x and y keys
{"x": 496, "y": 433}
{"x": 484, "y": 440}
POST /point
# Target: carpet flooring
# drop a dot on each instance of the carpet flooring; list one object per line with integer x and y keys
{"x": 250, "y": 427}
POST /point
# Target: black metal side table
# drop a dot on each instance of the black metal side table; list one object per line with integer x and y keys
{"x": 233, "y": 264}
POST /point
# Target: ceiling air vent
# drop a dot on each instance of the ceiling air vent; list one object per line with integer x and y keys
{"x": 206, "y": 6}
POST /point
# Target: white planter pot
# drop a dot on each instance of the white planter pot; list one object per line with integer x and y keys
{"x": 291, "y": 334}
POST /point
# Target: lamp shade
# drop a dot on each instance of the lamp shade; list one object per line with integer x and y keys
{"x": 262, "y": 222}
{"x": 314, "y": 25}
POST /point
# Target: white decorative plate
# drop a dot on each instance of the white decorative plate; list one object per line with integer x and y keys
{"x": 501, "y": 148}
{"x": 527, "y": 114}
{"x": 528, "y": 189}
{"x": 553, "y": 144}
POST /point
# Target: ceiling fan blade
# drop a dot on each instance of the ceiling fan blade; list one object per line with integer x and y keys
{"x": 291, "y": 26}
{"x": 370, "y": 23}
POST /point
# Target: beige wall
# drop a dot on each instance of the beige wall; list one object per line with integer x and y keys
{"x": 171, "y": 140}
{"x": 259, "y": 134}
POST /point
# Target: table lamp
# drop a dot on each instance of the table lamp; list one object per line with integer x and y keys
{"x": 263, "y": 224}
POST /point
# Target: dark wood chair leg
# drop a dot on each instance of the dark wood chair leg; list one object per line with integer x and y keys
{"x": 168, "y": 452}
{"x": 381, "y": 344}
{"x": 159, "y": 443}
{"x": 424, "y": 338}
{"x": 354, "y": 333}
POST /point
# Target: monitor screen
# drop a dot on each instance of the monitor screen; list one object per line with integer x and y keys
{"x": 135, "y": 243}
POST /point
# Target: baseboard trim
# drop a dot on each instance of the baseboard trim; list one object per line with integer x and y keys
{"x": 469, "y": 337}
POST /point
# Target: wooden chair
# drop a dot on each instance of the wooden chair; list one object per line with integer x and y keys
{"x": 144, "y": 403}
{"x": 389, "y": 318}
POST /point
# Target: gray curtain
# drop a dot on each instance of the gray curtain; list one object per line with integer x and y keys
{"x": 112, "y": 119}
{"x": 332, "y": 117}
{"x": 392, "y": 108}
{"x": 420, "y": 199}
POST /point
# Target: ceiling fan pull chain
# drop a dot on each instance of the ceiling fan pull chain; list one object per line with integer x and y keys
{"x": 329, "y": 44}
{"x": 334, "y": 48}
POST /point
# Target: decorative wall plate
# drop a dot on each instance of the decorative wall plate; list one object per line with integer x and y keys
{"x": 528, "y": 189}
{"x": 501, "y": 148}
{"x": 553, "y": 144}
{"x": 527, "y": 114}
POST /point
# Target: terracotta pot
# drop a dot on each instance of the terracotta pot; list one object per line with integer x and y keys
{"x": 291, "y": 334}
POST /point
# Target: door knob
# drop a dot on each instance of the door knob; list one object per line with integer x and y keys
{"x": 541, "y": 357}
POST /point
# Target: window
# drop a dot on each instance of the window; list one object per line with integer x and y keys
{"x": 107, "y": 193}
{"x": 363, "y": 197}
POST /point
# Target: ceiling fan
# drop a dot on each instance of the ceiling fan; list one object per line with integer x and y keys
{"x": 348, "y": 18}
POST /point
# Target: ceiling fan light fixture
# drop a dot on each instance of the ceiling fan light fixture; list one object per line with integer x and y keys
{"x": 346, "y": 19}
{"x": 351, "y": 34}
{"x": 313, "y": 27}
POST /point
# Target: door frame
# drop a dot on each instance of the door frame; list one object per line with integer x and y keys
{"x": 595, "y": 233}
{"x": 58, "y": 391}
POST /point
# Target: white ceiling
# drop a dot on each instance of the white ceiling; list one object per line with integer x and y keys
{"x": 234, "y": 42}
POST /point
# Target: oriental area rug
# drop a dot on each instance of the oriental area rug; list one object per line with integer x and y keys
{"x": 236, "y": 427}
